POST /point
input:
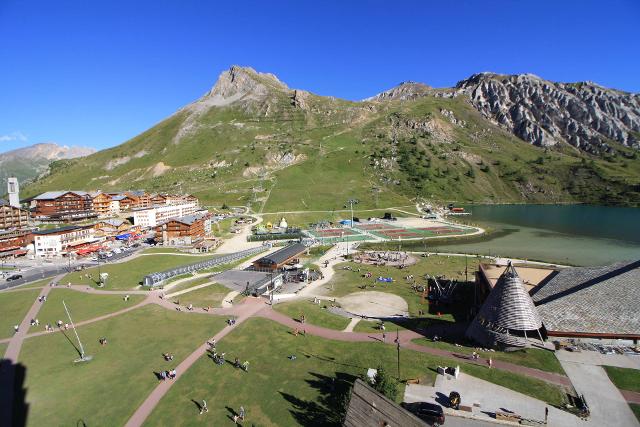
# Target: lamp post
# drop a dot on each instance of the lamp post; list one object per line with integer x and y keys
{"x": 351, "y": 203}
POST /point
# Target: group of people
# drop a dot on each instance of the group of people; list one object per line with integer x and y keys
{"x": 244, "y": 366}
{"x": 167, "y": 356}
{"x": 62, "y": 324}
{"x": 218, "y": 358}
{"x": 42, "y": 298}
{"x": 296, "y": 332}
{"x": 35, "y": 322}
{"x": 103, "y": 341}
{"x": 231, "y": 321}
{"x": 170, "y": 374}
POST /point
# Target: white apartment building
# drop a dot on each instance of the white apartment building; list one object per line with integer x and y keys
{"x": 58, "y": 241}
{"x": 150, "y": 217}
{"x": 114, "y": 207}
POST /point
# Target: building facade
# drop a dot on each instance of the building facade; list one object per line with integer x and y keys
{"x": 61, "y": 241}
{"x": 101, "y": 204}
{"x": 63, "y": 205}
{"x": 12, "y": 217}
{"x": 151, "y": 217}
{"x": 184, "y": 231}
{"x": 12, "y": 241}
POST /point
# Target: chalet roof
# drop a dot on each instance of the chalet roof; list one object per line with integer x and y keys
{"x": 50, "y": 195}
{"x": 283, "y": 255}
{"x": 114, "y": 222}
{"x": 187, "y": 219}
{"x": 58, "y": 230}
{"x": 369, "y": 408}
{"x": 508, "y": 308}
{"x": 600, "y": 300}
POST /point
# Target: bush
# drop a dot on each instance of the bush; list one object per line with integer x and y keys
{"x": 385, "y": 384}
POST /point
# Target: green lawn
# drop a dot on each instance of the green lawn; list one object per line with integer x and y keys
{"x": 81, "y": 305}
{"x": 108, "y": 389}
{"x": 544, "y": 360}
{"x": 221, "y": 228}
{"x": 128, "y": 275}
{"x": 636, "y": 410}
{"x": 278, "y": 391}
{"x": 314, "y": 314}
{"x": 3, "y": 348}
{"x": 345, "y": 282}
{"x": 13, "y": 307}
{"x": 188, "y": 284}
{"x": 209, "y": 296}
{"x": 624, "y": 378}
{"x": 162, "y": 250}
{"x": 37, "y": 284}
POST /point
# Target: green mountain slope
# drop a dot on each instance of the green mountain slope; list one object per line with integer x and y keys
{"x": 252, "y": 140}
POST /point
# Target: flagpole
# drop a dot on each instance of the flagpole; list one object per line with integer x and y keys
{"x": 82, "y": 356}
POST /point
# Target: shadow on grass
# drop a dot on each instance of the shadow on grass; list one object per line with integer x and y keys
{"x": 330, "y": 407}
{"x": 13, "y": 402}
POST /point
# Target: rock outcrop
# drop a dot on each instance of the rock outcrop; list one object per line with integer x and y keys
{"x": 404, "y": 91}
{"x": 584, "y": 115}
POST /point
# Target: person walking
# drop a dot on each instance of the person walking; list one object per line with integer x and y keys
{"x": 203, "y": 408}
{"x": 241, "y": 413}
{"x": 384, "y": 337}
{"x": 490, "y": 363}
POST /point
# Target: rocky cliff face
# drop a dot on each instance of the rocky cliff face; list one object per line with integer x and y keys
{"x": 584, "y": 115}
{"x": 404, "y": 91}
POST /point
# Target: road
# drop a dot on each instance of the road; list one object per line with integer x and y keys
{"x": 49, "y": 269}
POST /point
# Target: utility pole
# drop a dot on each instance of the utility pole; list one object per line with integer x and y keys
{"x": 398, "y": 347}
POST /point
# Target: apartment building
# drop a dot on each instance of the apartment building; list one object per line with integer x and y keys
{"x": 61, "y": 241}
{"x": 63, "y": 205}
{"x": 151, "y": 217}
{"x": 183, "y": 231}
{"x": 12, "y": 217}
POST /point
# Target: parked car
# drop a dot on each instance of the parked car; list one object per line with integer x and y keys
{"x": 430, "y": 412}
{"x": 14, "y": 277}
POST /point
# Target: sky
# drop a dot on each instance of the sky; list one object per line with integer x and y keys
{"x": 97, "y": 73}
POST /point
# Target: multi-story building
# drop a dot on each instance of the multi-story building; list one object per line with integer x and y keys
{"x": 62, "y": 241}
{"x": 114, "y": 207}
{"x": 13, "y": 242}
{"x": 63, "y": 205}
{"x": 151, "y": 217}
{"x": 112, "y": 227}
{"x": 12, "y": 217}
{"x": 172, "y": 199}
{"x": 141, "y": 198}
{"x": 186, "y": 230}
{"x": 101, "y": 204}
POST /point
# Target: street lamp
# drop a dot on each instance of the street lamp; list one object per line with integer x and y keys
{"x": 351, "y": 203}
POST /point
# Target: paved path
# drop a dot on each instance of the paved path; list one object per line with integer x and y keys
{"x": 227, "y": 301}
{"x": 607, "y": 405}
{"x": 243, "y": 312}
{"x": 352, "y": 324}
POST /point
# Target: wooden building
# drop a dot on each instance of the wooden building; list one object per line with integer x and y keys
{"x": 280, "y": 258}
{"x": 63, "y": 205}
{"x": 112, "y": 227}
{"x": 183, "y": 231}
{"x": 101, "y": 204}
{"x": 13, "y": 242}
{"x": 12, "y": 217}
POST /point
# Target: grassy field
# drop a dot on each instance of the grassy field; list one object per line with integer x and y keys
{"x": 129, "y": 274}
{"x": 636, "y": 409}
{"x": 347, "y": 281}
{"x": 533, "y": 358}
{"x": 189, "y": 284}
{"x": 221, "y": 228}
{"x": 162, "y": 250}
{"x": 278, "y": 391}
{"x": 3, "y": 348}
{"x": 314, "y": 314}
{"x": 624, "y": 378}
{"x": 108, "y": 389}
{"x": 13, "y": 307}
{"x": 37, "y": 284}
{"x": 209, "y": 296}
{"x": 81, "y": 305}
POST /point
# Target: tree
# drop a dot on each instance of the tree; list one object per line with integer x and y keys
{"x": 224, "y": 206}
{"x": 385, "y": 384}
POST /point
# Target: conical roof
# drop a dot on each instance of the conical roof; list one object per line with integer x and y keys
{"x": 507, "y": 308}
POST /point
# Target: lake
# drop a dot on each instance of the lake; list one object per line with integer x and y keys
{"x": 571, "y": 234}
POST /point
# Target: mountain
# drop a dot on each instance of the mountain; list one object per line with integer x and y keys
{"x": 252, "y": 140}
{"x": 28, "y": 163}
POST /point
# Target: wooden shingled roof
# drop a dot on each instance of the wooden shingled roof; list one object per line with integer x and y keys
{"x": 368, "y": 408}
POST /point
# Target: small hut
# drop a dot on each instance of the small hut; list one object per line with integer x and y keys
{"x": 508, "y": 317}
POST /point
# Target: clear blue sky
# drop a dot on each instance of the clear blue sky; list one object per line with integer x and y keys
{"x": 97, "y": 73}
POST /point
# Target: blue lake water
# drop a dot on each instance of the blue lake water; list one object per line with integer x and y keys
{"x": 574, "y": 234}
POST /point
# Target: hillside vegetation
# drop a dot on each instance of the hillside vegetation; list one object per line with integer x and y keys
{"x": 253, "y": 141}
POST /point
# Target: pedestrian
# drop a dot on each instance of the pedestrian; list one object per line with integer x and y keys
{"x": 546, "y": 414}
{"x": 241, "y": 413}
{"x": 384, "y": 337}
{"x": 490, "y": 362}
{"x": 204, "y": 408}
{"x": 16, "y": 327}
{"x": 37, "y": 322}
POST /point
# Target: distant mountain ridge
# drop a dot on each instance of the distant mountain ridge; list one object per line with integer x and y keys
{"x": 27, "y": 163}
{"x": 253, "y": 140}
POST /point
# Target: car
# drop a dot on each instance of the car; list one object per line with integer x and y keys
{"x": 429, "y": 412}
{"x": 14, "y": 277}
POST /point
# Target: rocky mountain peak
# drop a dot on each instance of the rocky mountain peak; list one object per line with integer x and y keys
{"x": 584, "y": 115}
{"x": 238, "y": 81}
{"x": 404, "y": 91}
